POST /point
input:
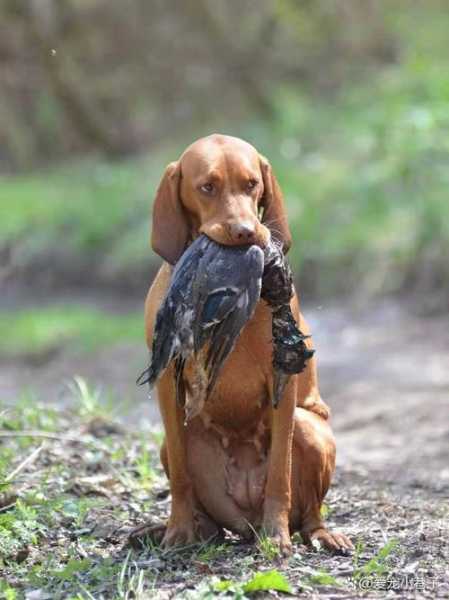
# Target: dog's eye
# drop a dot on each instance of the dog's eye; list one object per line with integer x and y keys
{"x": 207, "y": 188}
{"x": 251, "y": 184}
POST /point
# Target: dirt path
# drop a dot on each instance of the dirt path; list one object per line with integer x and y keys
{"x": 385, "y": 374}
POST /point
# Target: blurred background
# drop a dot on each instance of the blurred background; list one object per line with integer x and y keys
{"x": 348, "y": 99}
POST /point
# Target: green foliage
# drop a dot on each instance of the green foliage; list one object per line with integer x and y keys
{"x": 358, "y": 550}
{"x": 80, "y": 206}
{"x": 34, "y": 331}
{"x": 46, "y": 534}
{"x": 378, "y": 564}
{"x": 211, "y": 551}
{"x": 363, "y": 161}
{"x": 266, "y": 546}
{"x": 88, "y": 218}
{"x": 268, "y": 580}
{"x": 74, "y": 510}
{"x": 130, "y": 583}
{"x": 144, "y": 467}
{"x": 6, "y": 591}
{"x": 71, "y": 569}
{"x": 28, "y": 413}
{"x": 260, "y": 582}
{"x": 364, "y": 178}
{"x": 87, "y": 398}
{"x": 6, "y": 456}
{"x": 68, "y": 540}
{"x": 19, "y": 527}
{"x": 323, "y": 578}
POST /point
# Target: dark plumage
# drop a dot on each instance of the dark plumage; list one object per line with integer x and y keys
{"x": 213, "y": 292}
{"x": 290, "y": 352}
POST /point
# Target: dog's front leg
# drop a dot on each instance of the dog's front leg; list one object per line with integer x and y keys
{"x": 278, "y": 487}
{"x": 180, "y": 526}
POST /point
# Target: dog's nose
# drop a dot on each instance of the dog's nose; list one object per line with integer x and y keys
{"x": 243, "y": 232}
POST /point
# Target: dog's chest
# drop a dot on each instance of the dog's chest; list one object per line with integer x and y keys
{"x": 236, "y": 404}
{"x": 241, "y": 394}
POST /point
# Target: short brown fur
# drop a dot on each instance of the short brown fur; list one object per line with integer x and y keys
{"x": 240, "y": 464}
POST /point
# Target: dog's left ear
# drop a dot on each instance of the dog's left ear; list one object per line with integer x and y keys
{"x": 274, "y": 215}
{"x": 169, "y": 224}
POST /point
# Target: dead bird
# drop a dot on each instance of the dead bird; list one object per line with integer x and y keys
{"x": 213, "y": 293}
{"x": 290, "y": 353}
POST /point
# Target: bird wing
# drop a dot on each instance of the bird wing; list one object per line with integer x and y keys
{"x": 212, "y": 294}
{"x": 172, "y": 334}
{"x": 240, "y": 306}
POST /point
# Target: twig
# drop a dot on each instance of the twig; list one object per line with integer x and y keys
{"x": 7, "y": 507}
{"x": 28, "y": 460}
{"x": 43, "y": 434}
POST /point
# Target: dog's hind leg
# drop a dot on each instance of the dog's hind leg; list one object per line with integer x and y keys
{"x": 313, "y": 464}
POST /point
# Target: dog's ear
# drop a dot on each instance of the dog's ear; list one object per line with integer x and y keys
{"x": 170, "y": 231}
{"x": 274, "y": 215}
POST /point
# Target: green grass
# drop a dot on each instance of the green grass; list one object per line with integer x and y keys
{"x": 28, "y": 414}
{"x": 63, "y": 530}
{"x": 45, "y": 506}
{"x": 33, "y": 331}
{"x": 85, "y": 213}
{"x": 49, "y": 536}
{"x": 261, "y": 581}
{"x": 379, "y": 564}
{"x": 266, "y": 546}
{"x": 84, "y": 203}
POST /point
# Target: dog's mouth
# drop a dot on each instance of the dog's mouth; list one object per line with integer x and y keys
{"x": 221, "y": 235}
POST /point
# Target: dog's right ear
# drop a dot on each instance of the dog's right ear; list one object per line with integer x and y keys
{"x": 274, "y": 213}
{"x": 169, "y": 234}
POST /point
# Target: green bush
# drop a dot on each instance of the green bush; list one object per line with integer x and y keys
{"x": 364, "y": 176}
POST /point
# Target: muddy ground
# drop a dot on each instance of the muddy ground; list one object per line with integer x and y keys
{"x": 384, "y": 370}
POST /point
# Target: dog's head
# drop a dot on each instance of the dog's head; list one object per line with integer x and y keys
{"x": 222, "y": 187}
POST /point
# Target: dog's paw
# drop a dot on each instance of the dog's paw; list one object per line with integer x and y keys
{"x": 148, "y": 532}
{"x": 282, "y": 542}
{"x": 275, "y": 538}
{"x": 336, "y": 542}
{"x": 179, "y": 534}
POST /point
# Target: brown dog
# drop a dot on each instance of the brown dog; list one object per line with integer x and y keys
{"x": 240, "y": 464}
